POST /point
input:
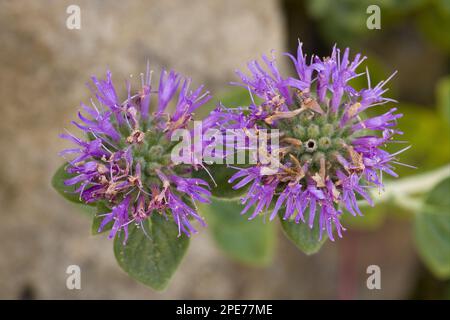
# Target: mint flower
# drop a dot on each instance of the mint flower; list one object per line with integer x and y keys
{"x": 124, "y": 159}
{"x": 330, "y": 153}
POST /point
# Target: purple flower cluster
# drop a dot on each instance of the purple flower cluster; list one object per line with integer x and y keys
{"x": 329, "y": 152}
{"x": 124, "y": 160}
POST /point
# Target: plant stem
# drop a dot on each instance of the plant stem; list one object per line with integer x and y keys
{"x": 402, "y": 192}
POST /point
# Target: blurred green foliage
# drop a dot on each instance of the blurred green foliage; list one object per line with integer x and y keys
{"x": 432, "y": 230}
{"x": 345, "y": 21}
{"x": 426, "y": 131}
{"x": 249, "y": 242}
{"x": 434, "y": 21}
{"x": 443, "y": 100}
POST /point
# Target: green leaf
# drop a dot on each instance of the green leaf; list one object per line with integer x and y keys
{"x": 68, "y": 192}
{"x": 154, "y": 259}
{"x": 221, "y": 174}
{"x": 87, "y": 209}
{"x": 443, "y": 99}
{"x": 100, "y": 210}
{"x": 305, "y": 238}
{"x": 248, "y": 242}
{"x": 432, "y": 230}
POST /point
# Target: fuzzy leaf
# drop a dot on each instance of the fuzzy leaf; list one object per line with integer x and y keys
{"x": 87, "y": 209}
{"x": 306, "y": 239}
{"x": 249, "y": 242}
{"x": 221, "y": 174}
{"x": 154, "y": 259}
{"x": 100, "y": 210}
{"x": 432, "y": 230}
{"x": 68, "y": 192}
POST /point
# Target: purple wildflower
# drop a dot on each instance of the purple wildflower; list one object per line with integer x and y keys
{"x": 124, "y": 159}
{"x": 329, "y": 152}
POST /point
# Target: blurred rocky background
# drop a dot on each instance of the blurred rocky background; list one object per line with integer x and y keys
{"x": 43, "y": 68}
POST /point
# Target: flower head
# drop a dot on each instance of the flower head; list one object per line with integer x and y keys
{"x": 329, "y": 154}
{"x": 124, "y": 159}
